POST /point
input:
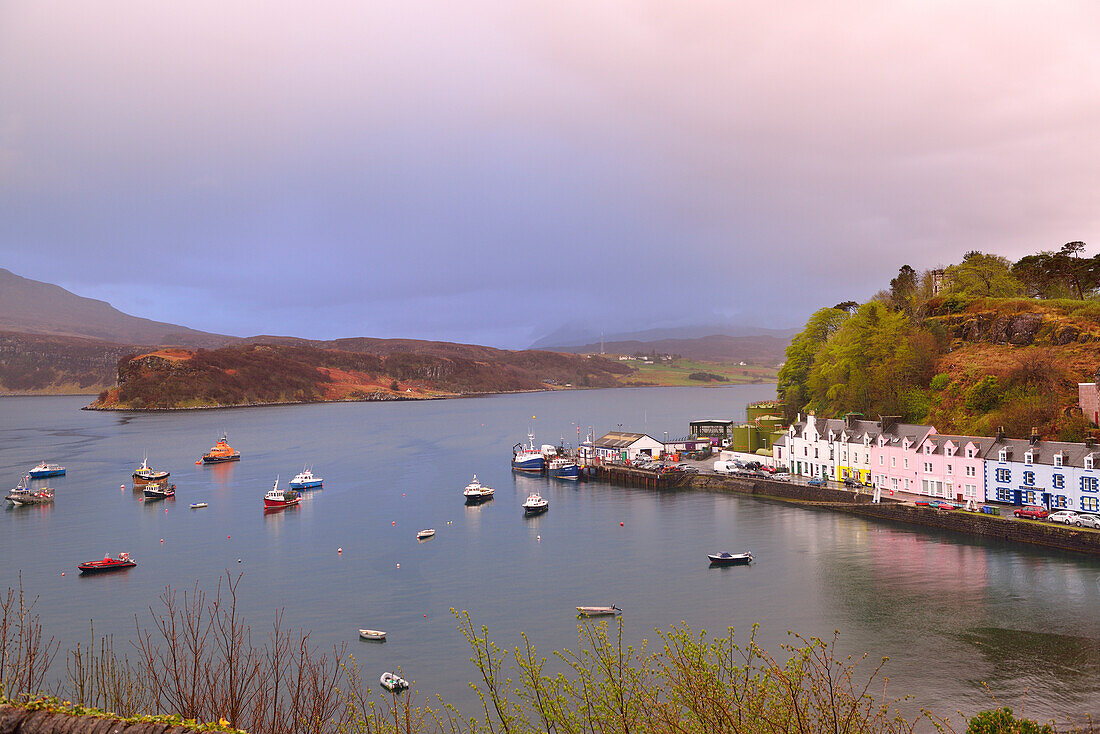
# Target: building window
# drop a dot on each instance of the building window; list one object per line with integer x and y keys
{"x": 1004, "y": 475}
{"x": 1002, "y": 455}
{"x": 1059, "y": 481}
{"x": 1028, "y": 497}
{"x": 1057, "y": 460}
{"x": 1004, "y": 495}
{"x": 927, "y": 467}
{"x": 906, "y": 485}
{"x": 893, "y": 461}
{"x": 948, "y": 468}
{"x": 970, "y": 453}
{"x": 1090, "y": 504}
{"x": 970, "y": 491}
{"x": 1088, "y": 484}
{"x": 815, "y": 453}
{"x": 1088, "y": 462}
{"x": 881, "y": 459}
{"x": 906, "y": 463}
{"x": 1028, "y": 457}
{"x": 1029, "y": 478}
{"x": 970, "y": 471}
{"x": 1059, "y": 500}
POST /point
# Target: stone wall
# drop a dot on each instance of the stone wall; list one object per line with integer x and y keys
{"x": 15, "y": 720}
{"x": 973, "y": 523}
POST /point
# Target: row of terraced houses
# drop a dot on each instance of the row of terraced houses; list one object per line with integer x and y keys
{"x": 914, "y": 458}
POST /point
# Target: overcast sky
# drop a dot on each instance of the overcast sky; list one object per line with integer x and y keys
{"x": 486, "y": 171}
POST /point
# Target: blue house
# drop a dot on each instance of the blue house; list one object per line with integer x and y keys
{"x": 1053, "y": 474}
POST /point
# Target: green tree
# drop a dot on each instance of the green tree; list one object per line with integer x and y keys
{"x": 982, "y": 276}
{"x": 800, "y": 357}
{"x": 1001, "y": 721}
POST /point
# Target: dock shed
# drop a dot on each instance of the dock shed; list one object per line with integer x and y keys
{"x": 712, "y": 428}
{"x": 623, "y": 446}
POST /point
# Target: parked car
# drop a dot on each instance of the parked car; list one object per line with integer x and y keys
{"x": 781, "y": 477}
{"x": 853, "y": 483}
{"x": 1033, "y": 512}
{"x": 817, "y": 482}
{"x": 689, "y": 468}
{"x": 1069, "y": 517}
{"x": 1086, "y": 520}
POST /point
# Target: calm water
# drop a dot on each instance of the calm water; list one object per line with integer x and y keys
{"x": 950, "y": 612}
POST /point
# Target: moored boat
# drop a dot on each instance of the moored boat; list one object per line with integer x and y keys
{"x": 221, "y": 452}
{"x": 146, "y": 473}
{"x": 305, "y": 480}
{"x": 160, "y": 491}
{"x": 393, "y": 682}
{"x": 425, "y": 534}
{"x": 528, "y": 458}
{"x": 477, "y": 492}
{"x": 372, "y": 635}
{"x": 198, "y": 505}
{"x": 535, "y": 504}
{"x": 44, "y": 470}
{"x": 562, "y": 467}
{"x": 730, "y": 559}
{"x": 108, "y": 564}
{"x": 22, "y": 494}
{"x": 276, "y": 499}
{"x": 598, "y": 611}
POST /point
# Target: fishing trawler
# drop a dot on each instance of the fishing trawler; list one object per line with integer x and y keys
{"x": 276, "y": 499}
{"x": 24, "y": 495}
{"x": 528, "y": 458}
{"x": 146, "y": 473}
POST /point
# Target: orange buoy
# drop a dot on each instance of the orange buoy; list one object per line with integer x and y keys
{"x": 620, "y": 525}
{"x": 122, "y": 487}
{"x": 339, "y": 550}
{"x": 395, "y": 523}
{"x": 162, "y": 540}
{"x": 197, "y": 463}
{"x": 62, "y": 573}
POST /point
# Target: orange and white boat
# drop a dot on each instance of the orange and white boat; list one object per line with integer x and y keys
{"x": 221, "y": 452}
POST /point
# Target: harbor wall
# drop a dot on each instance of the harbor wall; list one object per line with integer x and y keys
{"x": 1050, "y": 535}
{"x": 18, "y": 720}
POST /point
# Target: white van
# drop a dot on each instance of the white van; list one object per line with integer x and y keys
{"x": 724, "y": 467}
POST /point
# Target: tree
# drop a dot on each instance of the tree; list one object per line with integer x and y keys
{"x": 903, "y": 288}
{"x": 800, "y": 356}
{"x": 848, "y": 306}
{"x": 982, "y": 276}
{"x": 1071, "y": 252}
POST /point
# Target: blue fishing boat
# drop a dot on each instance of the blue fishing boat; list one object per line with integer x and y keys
{"x": 562, "y": 467}
{"x": 528, "y": 458}
{"x": 46, "y": 470}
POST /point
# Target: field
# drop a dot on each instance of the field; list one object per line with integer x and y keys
{"x": 677, "y": 373}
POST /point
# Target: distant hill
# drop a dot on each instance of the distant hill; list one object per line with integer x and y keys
{"x": 766, "y": 349}
{"x": 581, "y": 333}
{"x": 33, "y": 307}
{"x": 264, "y": 374}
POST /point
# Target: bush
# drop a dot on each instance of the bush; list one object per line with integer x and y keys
{"x": 939, "y": 382}
{"x": 984, "y": 395}
{"x": 1001, "y": 721}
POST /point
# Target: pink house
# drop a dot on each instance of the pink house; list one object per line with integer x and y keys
{"x": 894, "y": 458}
{"x": 952, "y": 467}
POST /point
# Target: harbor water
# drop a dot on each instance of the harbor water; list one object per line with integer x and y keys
{"x": 954, "y": 614}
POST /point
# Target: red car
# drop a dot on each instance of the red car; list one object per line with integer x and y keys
{"x": 1031, "y": 511}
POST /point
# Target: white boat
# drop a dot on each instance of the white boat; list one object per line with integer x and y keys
{"x": 146, "y": 473}
{"x": 425, "y": 534}
{"x": 598, "y": 611}
{"x": 535, "y": 503}
{"x": 372, "y": 634}
{"x": 477, "y": 492}
{"x": 393, "y": 682}
{"x": 198, "y": 505}
{"x": 305, "y": 480}
{"x": 24, "y": 495}
{"x": 725, "y": 558}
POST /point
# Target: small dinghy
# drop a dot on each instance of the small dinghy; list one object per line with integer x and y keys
{"x": 730, "y": 559}
{"x": 393, "y": 682}
{"x": 598, "y": 611}
{"x": 198, "y": 505}
{"x": 372, "y": 635}
{"x": 425, "y": 534}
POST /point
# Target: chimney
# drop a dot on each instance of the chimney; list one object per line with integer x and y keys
{"x": 1034, "y": 436}
{"x": 1090, "y": 441}
{"x": 1000, "y": 433}
{"x": 888, "y": 422}
{"x": 851, "y": 418}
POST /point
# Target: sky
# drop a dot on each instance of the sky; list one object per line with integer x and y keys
{"x": 489, "y": 171}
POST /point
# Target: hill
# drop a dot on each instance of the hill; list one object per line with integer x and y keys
{"x": 33, "y": 307}
{"x": 261, "y": 374}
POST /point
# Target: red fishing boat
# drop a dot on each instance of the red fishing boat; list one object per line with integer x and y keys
{"x": 108, "y": 564}
{"x": 277, "y": 499}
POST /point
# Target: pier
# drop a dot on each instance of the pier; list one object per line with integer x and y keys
{"x": 630, "y": 476}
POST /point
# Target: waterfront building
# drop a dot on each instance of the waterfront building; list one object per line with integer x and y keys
{"x": 1054, "y": 474}
{"x": 625, "y": 446}
{"x": 953, "y": 467}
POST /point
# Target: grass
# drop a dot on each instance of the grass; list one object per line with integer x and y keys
{"x": 676, "y": 373}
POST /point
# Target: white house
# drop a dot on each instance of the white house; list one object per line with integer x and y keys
{"x": 620, "y": 446}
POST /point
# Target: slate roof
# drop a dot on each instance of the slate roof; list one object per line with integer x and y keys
{"x": 939, "y": 441}
{"x": 620, "y": 439}
{"x": 1043, "y": 452}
